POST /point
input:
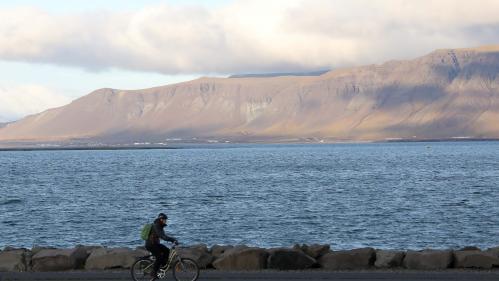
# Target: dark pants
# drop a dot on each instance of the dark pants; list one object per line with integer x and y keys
{"x": 160, "y": 252}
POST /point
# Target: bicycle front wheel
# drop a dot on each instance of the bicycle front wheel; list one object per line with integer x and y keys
{"x": 141, "y": 270}
{"x": 185, "y": 270}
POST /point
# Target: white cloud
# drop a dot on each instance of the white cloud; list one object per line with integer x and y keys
{"x": 21, "y": 100}
{"x": 247, "y": 36}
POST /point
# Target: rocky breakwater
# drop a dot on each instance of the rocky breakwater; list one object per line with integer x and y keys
{"x": 245, "y": 258}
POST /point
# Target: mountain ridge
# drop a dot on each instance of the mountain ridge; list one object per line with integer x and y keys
{"x": 277, "y": 74}
{"x": 448, "y": 93}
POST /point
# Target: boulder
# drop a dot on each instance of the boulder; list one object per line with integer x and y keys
{"x": 475, "y": 259}
{"x": 470, "y": 248}
{"x": 200, "y": 247}
{"x": 198, "y": 253}
{"x": 352, "y": 259}
{"x": 428, "y": 259}
{"x": 13, "y": 260}
{"x": 494, "y": 251}
{"x": 10, "y": 248}
{"x": 89, "y": 249}
{"x": 315, "y": 250}
{"x": 388, "y": 259}
{"x": 289, "y": 259}
{"x": 236, "y": 248}
{"x": 58, "y": 259}
{"x": 37, "y": 249}
{"x": 242, "y": 259}
{"x": 218, "y": 250}
{"x": 106, "y": 258}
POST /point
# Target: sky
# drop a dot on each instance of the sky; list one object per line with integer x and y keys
{"x": 55, "y": 51}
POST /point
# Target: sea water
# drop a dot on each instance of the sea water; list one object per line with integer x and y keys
{"x": 382, "y": 195}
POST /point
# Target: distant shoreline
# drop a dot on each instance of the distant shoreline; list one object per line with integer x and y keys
{"x": 188, "y": 145}
{"x": 442, "y": 140}
{"x": 85, "y": 148}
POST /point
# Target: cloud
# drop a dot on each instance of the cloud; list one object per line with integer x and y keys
{"x": 246, "y": 36}
{"x": 21, "y": 100}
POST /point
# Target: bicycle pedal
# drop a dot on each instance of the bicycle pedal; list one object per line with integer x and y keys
{"x": 162, "y": 274}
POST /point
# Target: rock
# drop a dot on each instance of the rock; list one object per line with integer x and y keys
{"x": 106, "y": 258}
{"x": 494, "y": 251}
{"x": 200, "y": 247}
{"x": 242, "y": 259}
{"x": 475, "y": 259}
{"x": 315, "y": 250}
{"x": 200, "y": 254}
{"x": 10, "y": 248}
{"x": 388, "y": 259}
{"x": 289, "y": 259}
{"x": 470, "y": 248}
{"x": 218, "y": 250}
{"x": 236, "y": 249}
{"x": 58, "y": 259}
{"x": 13, "y": 260}
{"x": 89, "y": 249}
{"x": 37, "y": 249}
{"x": 428, "y": 259}
{"x": 353, "y": 259}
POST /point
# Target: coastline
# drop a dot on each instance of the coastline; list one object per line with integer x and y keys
{"x": 187, "y": 145}
{"x": 245, "y": 258}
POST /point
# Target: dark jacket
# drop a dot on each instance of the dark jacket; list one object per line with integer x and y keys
{"x": 158, "y": 233}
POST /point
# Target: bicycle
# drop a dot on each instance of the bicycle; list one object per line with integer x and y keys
{"x": 184, "y": 269}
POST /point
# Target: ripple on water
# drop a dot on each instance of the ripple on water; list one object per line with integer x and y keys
{"x": 11, "y": 202}
{"x": 9, "y": 223}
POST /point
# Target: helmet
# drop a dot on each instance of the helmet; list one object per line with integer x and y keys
{"x": 162, "y": 216}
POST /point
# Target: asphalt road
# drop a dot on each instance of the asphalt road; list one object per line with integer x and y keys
{"x": 269, "y": 275}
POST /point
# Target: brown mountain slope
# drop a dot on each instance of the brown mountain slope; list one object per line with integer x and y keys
{"x": 445, "y": 94}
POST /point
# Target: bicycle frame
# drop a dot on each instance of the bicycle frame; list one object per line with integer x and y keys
{"x": 171, "y": 257}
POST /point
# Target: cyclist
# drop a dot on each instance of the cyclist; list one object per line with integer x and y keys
{"x": 153, "y": 245}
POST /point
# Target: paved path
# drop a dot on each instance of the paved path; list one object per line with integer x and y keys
{"x": 269, "y": 275}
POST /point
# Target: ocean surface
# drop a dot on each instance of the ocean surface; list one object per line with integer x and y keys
{"x": 383, "y": 195}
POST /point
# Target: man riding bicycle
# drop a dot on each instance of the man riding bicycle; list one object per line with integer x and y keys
{"x": 153, "y": 245}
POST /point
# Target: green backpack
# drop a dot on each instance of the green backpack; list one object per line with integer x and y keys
{"x": 146, "y": 230}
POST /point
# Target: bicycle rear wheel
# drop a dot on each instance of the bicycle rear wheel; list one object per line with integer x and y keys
{"x": 185, "y": 270}
{"x": 141, "y": 269}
